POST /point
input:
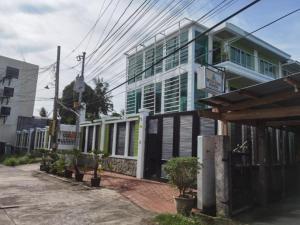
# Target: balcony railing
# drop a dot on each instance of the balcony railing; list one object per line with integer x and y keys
{"x": 247, "y": 60}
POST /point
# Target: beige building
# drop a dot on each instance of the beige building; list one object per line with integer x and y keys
{"x": 18, "y": 82}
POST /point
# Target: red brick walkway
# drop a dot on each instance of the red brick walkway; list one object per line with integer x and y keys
{"x": 151, "y": 195}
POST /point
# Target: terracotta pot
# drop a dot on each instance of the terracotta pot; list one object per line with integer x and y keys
{"x": 95, "y": 182}
{"x": 184, "y": 206}
{"x": 79, "y": 177}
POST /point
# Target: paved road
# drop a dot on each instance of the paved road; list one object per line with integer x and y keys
{"x": 29, "y": 198}
{"x": 285, "y": 212}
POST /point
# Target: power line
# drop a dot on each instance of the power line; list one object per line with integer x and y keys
{"x": 189, "y": 42}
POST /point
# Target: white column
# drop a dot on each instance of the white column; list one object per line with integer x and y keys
{"x": 102, "y": 139}
{"x": 114, "y": 140}
{"x": 256, "y": 63}
{"x": 210, "y": 49}
{"x": 162, "y": 96}
{"x": 94, "y": 137}
{"x": 86, "y": 139}
{"x": 280, "y": 74}
{"x": 191, "y": 72}
{"x": 141, "y": 144}
{"x": 127, "y": 138}
{"x": 206, "y": 175}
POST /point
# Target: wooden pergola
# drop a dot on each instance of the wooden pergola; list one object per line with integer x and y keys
{"x": 272, "y": 104}
{"x": 275, "y": 104}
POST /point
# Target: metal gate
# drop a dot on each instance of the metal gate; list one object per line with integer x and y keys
{"x": 241, "y": 169}
{"x": 172, "y": 135}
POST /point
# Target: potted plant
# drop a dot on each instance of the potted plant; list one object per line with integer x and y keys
{"x": 68, "y": 172}
{"x": 95, "y": 180}
{"x": 182, "y": 173}
{"x": 43, "y": 161}
{"x": 78, "y": 174}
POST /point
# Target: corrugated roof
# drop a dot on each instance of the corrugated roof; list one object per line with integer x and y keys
{"x": 258, "y": 91}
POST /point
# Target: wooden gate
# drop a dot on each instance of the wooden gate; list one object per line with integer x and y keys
{"x": 172, "y": 135}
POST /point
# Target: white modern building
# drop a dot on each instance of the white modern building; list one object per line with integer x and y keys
{"x": 172, "y": 85}
{"x": 18, "y": 82}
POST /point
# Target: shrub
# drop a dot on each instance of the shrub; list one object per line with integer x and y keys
{"x": 182, "y": 173}
{"x": 168, "y": 219}
{"x": 11, "y": 161}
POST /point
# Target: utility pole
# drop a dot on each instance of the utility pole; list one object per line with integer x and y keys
{"x": 55, "y": 106}
{"x": 79, "y": 88}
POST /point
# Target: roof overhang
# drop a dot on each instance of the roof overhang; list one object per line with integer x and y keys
{"x": 275, "y": 102}
{"x": 228, "y": 30}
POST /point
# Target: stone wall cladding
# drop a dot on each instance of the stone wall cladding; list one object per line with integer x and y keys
{"x": 119, "y": 165}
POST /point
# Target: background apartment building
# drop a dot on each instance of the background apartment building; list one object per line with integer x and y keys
{"x": 171, "y": 85}
{"x": 18, "y": 82}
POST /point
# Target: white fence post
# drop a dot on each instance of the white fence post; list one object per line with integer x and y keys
{"x": 141, "y": 144}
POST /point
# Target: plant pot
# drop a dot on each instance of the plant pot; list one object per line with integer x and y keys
{"x": 95, "y": 182}
{"x": 184, "y": 206}
{"x": 68, "y": 173}
{"x": 47, "y": 169}
{"x": 79, "y": 177}
{"x": 42, "y": 168}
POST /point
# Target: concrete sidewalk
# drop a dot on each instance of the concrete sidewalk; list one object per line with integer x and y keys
{"x": 285, "y": 212}
{"x": 28, "y": 198}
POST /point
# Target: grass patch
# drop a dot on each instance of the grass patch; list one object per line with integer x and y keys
{"x": 168, "y": 219}
{"x": 15, "y": 160}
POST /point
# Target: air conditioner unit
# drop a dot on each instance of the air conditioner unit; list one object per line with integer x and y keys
{"x": 8, "y": 92}
{"x": 12, "y": 73}
{"x": 5, "y": 111}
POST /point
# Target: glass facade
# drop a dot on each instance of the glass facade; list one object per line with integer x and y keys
{"x": 175, "y": 94}
{"x": 134, "y": 101}
{"x": 201, "y": 49}
{"x": 152, "y": 98}
{"x": 146, "y": 59}
{"x": 242, "y": 58}
{"x": 267, "y": 68}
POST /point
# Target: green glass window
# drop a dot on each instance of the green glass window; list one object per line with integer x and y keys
{"x": 201, "y": 49}
{"x": 149, "y": 61}
{"x": 158, "y": 55}
{"x": 138, "y": 97}
{"x": 267, "y": 68}
{"x": 139, "y": 66}
{"x": 242, "y": 58}
{"x": 198, "y": 95}
{"x": 157, "y": 97}
{"x": 183, "y": 92}
{"x": 135, "y": 68}
{"x": 173, "y": 60}
{"x": 130, "y": 106}
{"x": 149, "y": 97}
{"x": 131, "y": 69}
{"x": 184, "y": 37}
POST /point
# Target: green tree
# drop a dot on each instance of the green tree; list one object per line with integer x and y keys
{"x": 43, "y": 112}
{"x": 95, "y": 99}
{"x": 104, "y": 100}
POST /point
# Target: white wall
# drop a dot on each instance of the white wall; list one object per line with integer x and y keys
{"x": 22, "y": 102}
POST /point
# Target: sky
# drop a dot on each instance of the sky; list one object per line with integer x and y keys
{"x": 30, "y": 30}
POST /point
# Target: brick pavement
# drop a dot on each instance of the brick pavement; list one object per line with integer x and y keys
{"x": 150, "y": 195}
